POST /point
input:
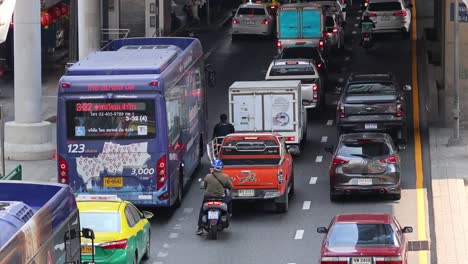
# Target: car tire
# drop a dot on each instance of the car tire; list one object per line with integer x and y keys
{"x": 282, "y": 207}
{"x": 148, "y": 248}
{"x": 335, "y": 197}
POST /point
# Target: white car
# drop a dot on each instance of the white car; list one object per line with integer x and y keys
{"x": 390, "y": 16}
{"x": 253, "y": 19}
{"x": 312, "y": 90}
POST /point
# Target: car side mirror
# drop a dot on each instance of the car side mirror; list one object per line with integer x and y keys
{"x": 407, "y": 229}
{"x": 322, "y": 230}
{"x": 407, "y": 88}
{"x": 147, "y": 215}
{"x": 293, "y": 149}
{"x": 329, "y": 149}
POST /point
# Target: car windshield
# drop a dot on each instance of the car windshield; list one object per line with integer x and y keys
{"x": 362, "y": 235}
{"x": 288, "y": 70}
{"x": 374, "y": 88}
{"x": 300, "y": 53}
{"x": 251, "y": 11}
{"x": 385, "y": 6}
{"x": 364, "y": 148}
{"x": 100, "y": 221}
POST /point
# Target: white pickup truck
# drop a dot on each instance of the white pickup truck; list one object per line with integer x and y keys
{"x": 269, "y": 106}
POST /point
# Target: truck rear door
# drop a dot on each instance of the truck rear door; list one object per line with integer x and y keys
{"x": 288, "y": 24}
{"x": 311, "y": 26}
{"x": 247, "y": 112}
{"x": 279, "y": 114}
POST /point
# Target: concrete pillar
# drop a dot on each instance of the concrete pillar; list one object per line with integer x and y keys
{"x": 28, "y": 137}
{"x": 89, "y": 27}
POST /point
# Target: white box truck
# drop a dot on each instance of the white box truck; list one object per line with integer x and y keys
{"x": 269, "y": 106}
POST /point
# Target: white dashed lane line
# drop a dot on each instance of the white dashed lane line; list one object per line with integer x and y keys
{"x": 188, "y": 210}
{"x": 340, "y": 80}
{"x": 162, "y": 254}
{"x": 330, "y": 122}
{"x": 356, "y": 25}
{"x": 354, "y": 32}
{"x": 313, "y": 180}
{"x": 299, "y": 234}
{"x": 319, "y": 159}
{"x": 173, "y": 235}
{"x": 306, "y": 205}
{"x": 324, "y": 139}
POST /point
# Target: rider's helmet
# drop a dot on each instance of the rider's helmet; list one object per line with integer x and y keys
{"x": 217, "y": 165}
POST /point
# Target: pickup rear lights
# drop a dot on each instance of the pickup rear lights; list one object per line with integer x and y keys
{"x": 290, "y": 138}
{"x": 400, "y": 13}
{"x": 372, "y": 15}
{"x": 388, "y": 260}
{"x": 315, "y": 89}
{"x": 339, "y": 161}
{"x": 235, "y": 21}
{"x": 341, "y": 112}
{"x": 389, "y": 160}
{"x": 265, "y": 22}
{"x": 399, "y": 110}
{"x": 334, "y": 260}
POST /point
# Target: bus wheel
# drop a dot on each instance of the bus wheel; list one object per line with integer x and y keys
{"x": 180, "y": 189}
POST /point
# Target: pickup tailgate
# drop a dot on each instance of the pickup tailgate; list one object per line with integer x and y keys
{"x": 370, "y": 104}
{"x": 255, "y": 177}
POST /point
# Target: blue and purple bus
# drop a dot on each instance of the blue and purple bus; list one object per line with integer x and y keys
{"x": 131, "y": 120}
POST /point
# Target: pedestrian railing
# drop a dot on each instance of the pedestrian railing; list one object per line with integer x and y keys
{"x": 15, "y": 174}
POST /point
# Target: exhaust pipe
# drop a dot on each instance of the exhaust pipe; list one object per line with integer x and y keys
{"x": 381, "y": 191}
{"x": 347, "y": 192}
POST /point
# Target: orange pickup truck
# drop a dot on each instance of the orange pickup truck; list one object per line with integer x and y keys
{"x": 259, "y": 165}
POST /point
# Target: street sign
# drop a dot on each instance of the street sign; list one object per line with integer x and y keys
{"x": 462, "y": 12}
{"x": 6, "y": 11}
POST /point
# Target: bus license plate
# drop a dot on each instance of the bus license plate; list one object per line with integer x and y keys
{"x": 86, "y": 250}
{"x": 246, "y": 193}
{"x": 361, "y": 261}
{"x": 213, "y": 215}
{"x": 112, "y": 182}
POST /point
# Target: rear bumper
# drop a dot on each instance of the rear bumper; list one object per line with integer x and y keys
{"x": 403, "y": 28}
{"x": 360, "y": 126}
{"x": 372, "y": 189}
{"x": 257, "y": 30}
{"x": 259, "y": 194}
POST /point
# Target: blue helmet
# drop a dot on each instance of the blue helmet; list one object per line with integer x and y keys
{"x": 217, "y": 165}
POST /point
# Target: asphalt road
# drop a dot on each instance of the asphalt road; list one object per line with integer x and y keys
{"x": 257, "y": 234}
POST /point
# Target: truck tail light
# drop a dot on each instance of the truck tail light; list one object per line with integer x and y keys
{"x": 63, "y": 170}
{"x": 278, "y": 44}
{"x": 339, "y": 161}
{"x": 389, "y": 260}
{"x": 290, "y": 138}
{"x": 333, "y": 260}
{"x": 162, "y": 172}
{"x": 390, "y": 160}
{"x": 401, "y": 13}
{"x": 265, "y": 22}
{"x": 399, "y": 110}
{"x": 341, "y": 111}
{"x": 315, "y": 89}
{"x": 235, "y": 21}
{"x": 280, "y": 177}
{"x": 119, "y": 244}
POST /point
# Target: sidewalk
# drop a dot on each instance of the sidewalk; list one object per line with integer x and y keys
{"x": 449, "y": 170}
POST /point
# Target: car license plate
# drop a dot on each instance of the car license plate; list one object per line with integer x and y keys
{"x": 113, "y": 182}
{"x": 250, "y": 22}
{"x": 364, "y": 182}
{"x": 213, "y": 215}
{"x": 246, "y": 193}
{"x": 361, "y": 261}
{"x": 385, "y": 17}
{"x": 370, "y": 126}
{"x": 366, "y": 39}
{"x": 86, "y": 250}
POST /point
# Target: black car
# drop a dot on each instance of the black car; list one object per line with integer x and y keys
{"x": 307, "y": 52}
{"x": 373, "y": 103}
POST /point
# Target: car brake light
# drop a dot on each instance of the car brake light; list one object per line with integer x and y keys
{"x": 335, "y": 30}
{"x": 319, "y": 65}
{"x": 366, "y": 35}
{"x": 290, "y": 138}
{"x": 321, "y": 44}
{"x": 372, "y": 14}
{"x": 272, "y": 7}
{"x": 63, "y": 170}
{"x": 278, "y": 44}
{"x": 391, "y": 160}
{"x": 333, "y": 260}
{"x": 341, "y": 111}
{"x": 265, "y": 22}
{"x": 400, "y": 13}
{"x": 399, "y": 110}
{"x": 315, "y": 89}
{"x": 66, "y": 85}
{"x": 235, "y": 21}
{"x": 119, "y": 244}
{"x": 154, "y": 83}
{"x": 162, "y": 172}
{"x": 388, "y": 260}
{"x": 339, "y": 161}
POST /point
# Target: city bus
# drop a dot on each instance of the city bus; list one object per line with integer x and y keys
{"x": 39, "y": 223}
{"x": 131, "y": 120}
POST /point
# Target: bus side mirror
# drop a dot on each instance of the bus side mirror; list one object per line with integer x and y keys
{"x": 87, "y": 233}
{"x": 147, "y": 215}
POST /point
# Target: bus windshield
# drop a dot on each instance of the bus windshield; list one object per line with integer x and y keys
{"x": 111, "y": 118}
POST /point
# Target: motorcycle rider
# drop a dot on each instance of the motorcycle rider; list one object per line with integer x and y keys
{"x": 216, "y": 185}
{"x": 223, "y": 128}
{"x": 366, "y": 26}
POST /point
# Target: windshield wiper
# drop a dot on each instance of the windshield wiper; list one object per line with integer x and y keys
{"x": 362, "y": 156}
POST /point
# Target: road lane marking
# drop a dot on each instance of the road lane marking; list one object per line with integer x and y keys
{"x": 354, "y": 32}
{"x": 347, "y": 58}
{"x": 166, "y": 245}
{"x": 158, "y": 262}
{"x": 306, "y": 205}
{"x": 313, "y": 180}
{"x": 319, "y": 159}
{"x": 188, "y": 210}
{"x": 421, "y": 214}
{"x": 299, "y": 234}
{"x": 162, "y": 254}
{"x": 330, "y": 122}
{"x": 340, "y": 80}
{"x": 173, "y": 235}
{"x": 324, "y": 139}
{"x": 356, "y": 25}
{"x": 177, "y": 227}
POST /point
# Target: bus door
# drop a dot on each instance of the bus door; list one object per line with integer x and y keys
{"x": 114, "y": 144}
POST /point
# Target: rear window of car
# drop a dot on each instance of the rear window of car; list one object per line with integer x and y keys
{"x": 364, "y": 148}
{"x": 251, "y": 11}
{"x": 291, "y": 70}
{"x": 375, "y": 88}
{"x": 384, "y": 6}
{"x": 362, "y": 235}
{"x": 100, "y": 221}
{"x": 329, "y": 22}
{"x": 299, "y": 53}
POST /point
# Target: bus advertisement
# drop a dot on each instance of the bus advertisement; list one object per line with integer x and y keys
{"x": 36, "y": 220}
{"x": 131, "y": 120}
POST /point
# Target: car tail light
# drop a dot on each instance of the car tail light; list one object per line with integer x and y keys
{"x": 319, "y": 65}
{"x": 218, "y": 203}
{"x": 334, "y": 30}
{"x": 315, "y": 89}
{"x": 333, "y": 260}
{"x": 321, "y": 44}
{"x": 400, "y": 13}
{"x": 290, "y": 138}
{"x": 63, "y": 170}
{"x": 341, "y": 111}
{"x": 280, "y": 177}
{"x": 339, "y": 161}
{"x": 162, "y": 172}
{"x": 235, "y": 21}
{"x": 372, "y": 14}
{"x": 265, "y": 22}
{"x": 388, "y": 260}
{"x": 366, "y": 35}
{"x": 399, "y": 110}
{"x": 119, "y": 244}
{"x": 66, "y": 85}
{"x": 391, "y": 160}
{"x": 278, "y": 44}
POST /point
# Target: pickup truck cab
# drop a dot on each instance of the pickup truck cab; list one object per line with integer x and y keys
{"x": 259, "y": 164}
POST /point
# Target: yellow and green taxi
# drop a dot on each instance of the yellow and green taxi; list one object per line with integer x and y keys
{"x": 122, "y": 232}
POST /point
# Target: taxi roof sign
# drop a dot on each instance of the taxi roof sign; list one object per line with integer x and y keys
{"x": 91, "y": 197}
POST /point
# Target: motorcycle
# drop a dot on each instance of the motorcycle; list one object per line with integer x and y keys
{"x": 215, "y": 217}
{"x": 367, "y": 42}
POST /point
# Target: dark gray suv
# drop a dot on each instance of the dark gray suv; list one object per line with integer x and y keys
{"x": 373, "y": 103}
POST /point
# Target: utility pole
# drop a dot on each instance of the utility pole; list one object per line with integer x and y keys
{"x": 456, "y": 139}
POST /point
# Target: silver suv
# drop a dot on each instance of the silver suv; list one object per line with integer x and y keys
{"x": 390, "y": 15}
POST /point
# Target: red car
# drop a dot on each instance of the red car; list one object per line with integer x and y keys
{"x": 364, "y": 239}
